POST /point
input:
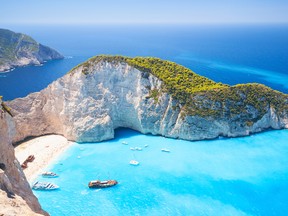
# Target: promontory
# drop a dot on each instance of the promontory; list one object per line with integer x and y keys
{"x": 149, "y": 95}
{"x": 18, "y": 49}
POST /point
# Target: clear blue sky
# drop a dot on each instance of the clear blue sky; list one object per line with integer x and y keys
{"x": 142, "y": 11}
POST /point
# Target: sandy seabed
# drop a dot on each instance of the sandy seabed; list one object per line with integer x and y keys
{"x": 46, "y": 149}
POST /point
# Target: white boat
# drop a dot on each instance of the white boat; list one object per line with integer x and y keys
{"x": 165, "y": 150}
{"x": 131, "y": 148}
{"x": 125, "y": 143}
{"x": 146, "y": 145}
{"x": 138, "y": 148}
{"x": 49, "y": 175}
{"x": 134, "y": 162}
{"x": 44, "y": 186}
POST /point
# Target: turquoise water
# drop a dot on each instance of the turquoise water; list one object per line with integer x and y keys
{"x": 241, "y": 176}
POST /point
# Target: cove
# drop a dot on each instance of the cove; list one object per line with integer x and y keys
{"x": 239, "y": 176}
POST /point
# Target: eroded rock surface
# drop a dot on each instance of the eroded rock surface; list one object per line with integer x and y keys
{"x": 87, "y": 104}
{"x": 16, "y": 197}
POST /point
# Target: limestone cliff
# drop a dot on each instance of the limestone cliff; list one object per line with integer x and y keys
{"x": 16, "y": 197}
{"x": 19, "y": 50}
{"x": 105, "y": 93}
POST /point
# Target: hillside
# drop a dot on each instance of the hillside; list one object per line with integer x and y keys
{"x": 19, "y": 50}
{"x": 188, "y": 87}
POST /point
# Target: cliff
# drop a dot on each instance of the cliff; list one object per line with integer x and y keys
{"x": 16, "y": 197}
{"x": 148, "y": 95}
{"x": 19, "y": 50}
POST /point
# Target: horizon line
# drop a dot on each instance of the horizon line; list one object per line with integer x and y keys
{"x": 144, "y": 23}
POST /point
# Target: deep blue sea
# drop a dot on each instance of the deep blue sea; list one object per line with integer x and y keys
{"x": 241, "y": 176}
{"x": 228, "y": 54}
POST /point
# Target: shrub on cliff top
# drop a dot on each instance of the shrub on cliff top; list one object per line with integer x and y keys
{"x": 179, "y": 81}
{"x": 200, "y": 95}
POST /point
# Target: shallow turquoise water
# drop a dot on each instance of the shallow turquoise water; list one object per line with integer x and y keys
{"x": 243, "y": 176}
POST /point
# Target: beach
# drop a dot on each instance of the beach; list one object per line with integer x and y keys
{"x": 46, "y": 149}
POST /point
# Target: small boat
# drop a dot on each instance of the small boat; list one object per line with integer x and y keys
{"x": 165, "y": 150}
{"x": 124, "y": 143}
{"x": 134, "y": 162}
{"x": 102, "y": 184}
{"x": 138, "y": 148}
{"x": 146, "y": 145}
{"x": 49, "y": 175}
{"x": 44, "y": 186}
{"x": 131, "y": 148}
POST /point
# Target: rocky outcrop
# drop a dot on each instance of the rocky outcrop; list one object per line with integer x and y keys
{"x": 16, "y": 197}
{"x": 91, "y": 101}
{"x": 19, "y": 50}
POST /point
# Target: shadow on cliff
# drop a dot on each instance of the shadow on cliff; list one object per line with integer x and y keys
{"x": 124, "y": 133}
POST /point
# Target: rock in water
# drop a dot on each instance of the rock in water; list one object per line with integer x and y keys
{"x": 19, "y": 50}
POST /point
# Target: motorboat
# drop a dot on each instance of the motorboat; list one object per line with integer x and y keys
{"x": 138, "y": 149}
{"x": 44, "y": 186}
{"x": 165, "y": 150}
{"x": 134, "y": 162}
{"x": 102, "y": 184}
{"x": 49, "y": 175}
{"x": 125, "y": 143}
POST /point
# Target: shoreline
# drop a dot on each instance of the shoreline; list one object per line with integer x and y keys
{"x": 46, "y": 150}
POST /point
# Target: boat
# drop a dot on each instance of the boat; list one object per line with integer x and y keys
{"x": 124, "y": 143}
{"x": 131, "y": 148}
{"x": 102, "y": 184}
{"x": 49, "y": 175}
{"x": 134, "y": 162}
{"x": 146, "y": 145}
{"x": 44, "y": 186}
{"x": 138, "y": 149}
{"x": 165, "y": 150}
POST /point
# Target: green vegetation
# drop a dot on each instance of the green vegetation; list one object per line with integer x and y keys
{"x": 7, "y": 109}
{"x": 199, "y": 95}
{"x": 155, "y": 93}
{"x": 238, "y": 101}
{"x": 11, "y": 44}
{"x": 179, "y": 81}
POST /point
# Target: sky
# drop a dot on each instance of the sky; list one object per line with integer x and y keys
{"x": 142, "y": 11}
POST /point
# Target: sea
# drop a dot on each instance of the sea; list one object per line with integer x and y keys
{"x": 238, "y": 176}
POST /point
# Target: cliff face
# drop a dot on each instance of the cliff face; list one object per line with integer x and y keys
{"x": 87, "y": 104}
{"x": 19, "y": 50}
{"x": 16, "y": 197}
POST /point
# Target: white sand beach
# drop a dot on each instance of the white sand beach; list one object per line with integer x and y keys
{"x": 46, "y": 149}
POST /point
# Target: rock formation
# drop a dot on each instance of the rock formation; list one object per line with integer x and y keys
{"x": 16, "y": 197}
{"x": 19, "y": 50}
{"x": 106, "y": 93}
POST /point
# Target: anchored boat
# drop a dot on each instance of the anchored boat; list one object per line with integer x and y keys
{"x": 134, "y": 162}
{"x": 165, "y": 150}
{"x": 102, "y": 184}
{"x": 44, "y": 186}
{"x": 49, "y": 175}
